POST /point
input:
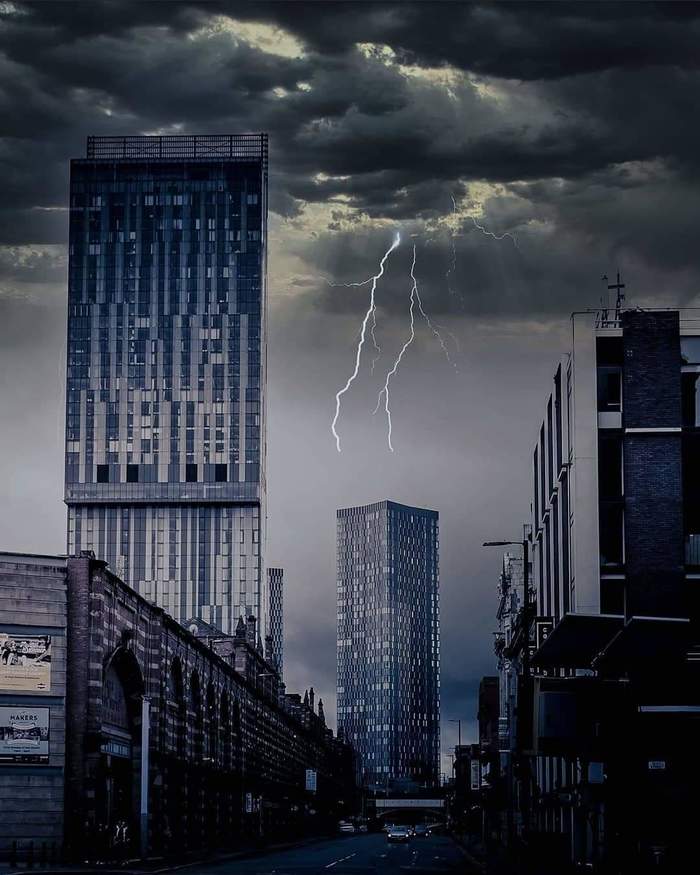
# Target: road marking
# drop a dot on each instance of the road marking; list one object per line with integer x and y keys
{"x": 342, "y": 860}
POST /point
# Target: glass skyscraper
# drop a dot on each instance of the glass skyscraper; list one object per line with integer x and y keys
{"x": 165, "y": 418}
{"x": 389, "y": 641}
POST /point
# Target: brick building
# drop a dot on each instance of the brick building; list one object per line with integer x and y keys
{"x": 111, "y": 710}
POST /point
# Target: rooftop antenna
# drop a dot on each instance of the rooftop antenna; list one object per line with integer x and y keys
{"x": 602, "y": 321}
{"x": 618, "y": 286}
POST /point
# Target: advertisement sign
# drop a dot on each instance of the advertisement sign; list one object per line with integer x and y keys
{"x": 24, "y": 735}
{"x": 311, "y": 780}
{"x": 475, "y": 775}
{"x": 25, "y": 662}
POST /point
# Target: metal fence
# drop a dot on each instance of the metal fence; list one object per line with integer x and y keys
{"x": 241, "y": 147}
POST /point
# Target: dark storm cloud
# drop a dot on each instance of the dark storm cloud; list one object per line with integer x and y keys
{"x": 107, "y": 67}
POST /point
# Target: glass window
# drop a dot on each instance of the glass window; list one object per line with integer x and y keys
{"x": 690, "y": 350}
{"x": 132, "y": 473}
{"x": 103, "y": 473}
{"x": 611, "y": 536}
{"x": 610, "y": 466}
{"x": 609, "y": 389}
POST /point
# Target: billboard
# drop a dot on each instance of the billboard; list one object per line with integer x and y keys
{"x": 25, "y": 662}
{"x": 24, "y": 735}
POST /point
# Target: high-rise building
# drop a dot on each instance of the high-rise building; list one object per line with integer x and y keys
{"x": 389, "y": 641}
{"x": 275, "y": 614}
{"x": 165, "y": 418}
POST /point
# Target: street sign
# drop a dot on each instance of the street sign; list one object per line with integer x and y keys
{"x": 657, "y": 765}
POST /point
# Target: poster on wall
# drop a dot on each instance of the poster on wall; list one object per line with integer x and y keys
{"x": 25, "y": 662}
{"x": 24, "y": 735}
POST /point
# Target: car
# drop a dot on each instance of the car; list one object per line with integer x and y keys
{"x": 421, "y": 829}
{"x": 398, "y": 834}
{"x": 346, "y": 827}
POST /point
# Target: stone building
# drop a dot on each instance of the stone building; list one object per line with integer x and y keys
{"x": 184, "y": 734}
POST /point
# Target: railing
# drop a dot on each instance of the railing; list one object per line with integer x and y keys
{"x": 249, "y": 147}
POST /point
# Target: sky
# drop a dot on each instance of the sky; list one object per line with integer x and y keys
{"x": 524, "y": 150}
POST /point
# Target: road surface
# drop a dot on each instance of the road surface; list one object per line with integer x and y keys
{"x": 368, "y": 854}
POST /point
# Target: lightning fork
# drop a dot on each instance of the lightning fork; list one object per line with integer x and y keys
{"x": 363, "y": 333}
{"x": 488, "y": 233}
{"x": 385, "y": 390}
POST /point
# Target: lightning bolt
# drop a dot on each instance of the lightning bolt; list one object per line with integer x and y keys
{"x": 488, "y": 233}
{"x": 385, "y": 390}
{"x": 453, "y": 266}
{"x": 415, "y": 299}
{"x": 371, "y": 310}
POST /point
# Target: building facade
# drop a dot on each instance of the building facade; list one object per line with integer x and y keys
{"x": 275, "y": 614}
{"x": 113, "y": 711}
{"x": 608, "y": 698}
{"x": 165, "y": 416}
{"x": 388, "y": 641}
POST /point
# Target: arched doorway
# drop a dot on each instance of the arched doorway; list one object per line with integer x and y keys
{"x": 174, "y": 831}
{"x": 118, "y": 784}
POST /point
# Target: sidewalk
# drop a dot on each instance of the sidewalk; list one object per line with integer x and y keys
{"x": 160, "y": 865}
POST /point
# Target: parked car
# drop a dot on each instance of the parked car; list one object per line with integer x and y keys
{"x": 346, "y": 827}
{"x": 398, "y": 834}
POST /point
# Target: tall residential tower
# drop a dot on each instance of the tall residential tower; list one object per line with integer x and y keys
{"x": 389, "y": 641}
{"x": 275, "y": 615}
{"x": 165, "y": 436}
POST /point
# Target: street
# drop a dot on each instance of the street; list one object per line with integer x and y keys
{"x": 352, "y": 854}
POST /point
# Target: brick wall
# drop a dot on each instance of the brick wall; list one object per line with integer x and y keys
{"x": 33, "y": 602}
{"x": 652, "y": 465}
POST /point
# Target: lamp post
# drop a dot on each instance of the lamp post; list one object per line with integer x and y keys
{"x": 458, "y": 721}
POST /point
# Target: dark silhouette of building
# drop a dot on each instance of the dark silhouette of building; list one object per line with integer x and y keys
{"x": 605, "y": 764}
